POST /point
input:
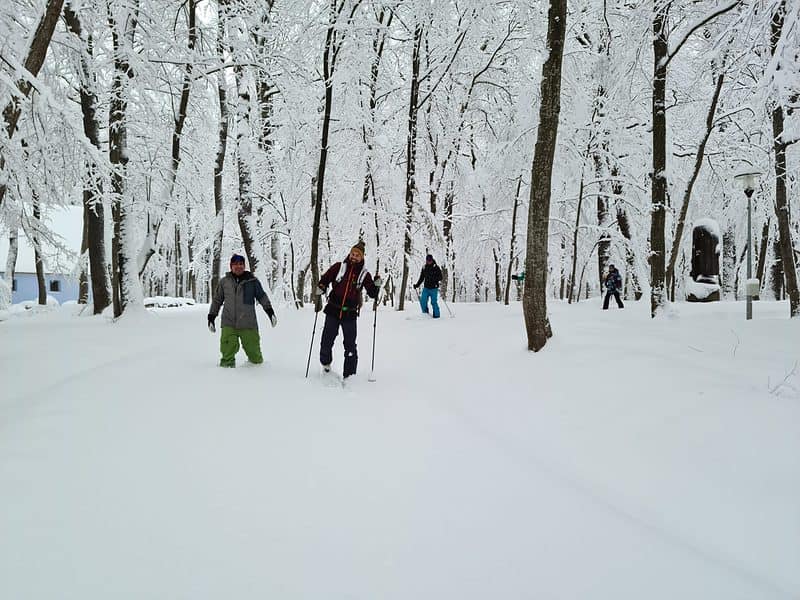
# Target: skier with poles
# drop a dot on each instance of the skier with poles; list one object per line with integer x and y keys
{"x": 346, "y": 278}
{"x": 239, "y": 291}
{"x": 431, "y": 275}
{"x": 613, "y": 283}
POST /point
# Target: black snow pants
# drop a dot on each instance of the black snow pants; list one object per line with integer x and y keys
{"x": 610, "y": 293}
{"x": 329, "y": 333}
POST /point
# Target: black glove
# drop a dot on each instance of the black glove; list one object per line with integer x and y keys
{"x": 211, "y": 327}
{"x": 272, "y": 318}
{"x": 416, "y": 286}
{"x": 378, "y": 282}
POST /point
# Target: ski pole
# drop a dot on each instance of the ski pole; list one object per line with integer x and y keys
{"x": 447, "y": 306}
{"x": 419, "y": 300}
{"x": 313, "y": 333}
{"x": 374, "y": 331}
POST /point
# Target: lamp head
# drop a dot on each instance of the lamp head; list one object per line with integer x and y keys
{"x": 748, "y": 180}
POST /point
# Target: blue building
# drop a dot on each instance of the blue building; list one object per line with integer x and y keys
{"x": 59, "y": 286}
{"x": 60, "y": 264}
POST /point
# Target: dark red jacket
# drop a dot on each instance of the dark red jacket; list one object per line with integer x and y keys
{"x": 345, "y": 297}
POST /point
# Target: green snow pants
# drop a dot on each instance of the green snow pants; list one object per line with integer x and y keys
{"x": 229, "y": 346}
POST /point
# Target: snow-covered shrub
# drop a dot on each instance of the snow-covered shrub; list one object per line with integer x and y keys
{"x": 167, "y": 302}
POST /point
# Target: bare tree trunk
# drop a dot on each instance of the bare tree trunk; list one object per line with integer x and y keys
{"x": 317, "y": 198}
{"x": 11, "y": 259}
{"x": 411, "y": 160}
{"x": 362, "y": 232}
{"x": 659, "y": 174}
{"x": 94, "y": 216}
{"x": 298, "y": 300}
{"x": 781, "y": 200}
{"x": 776, "y": 271}
{"x": 604, "y": 243}
{"x": 37, "y": 250}
{"x": 7, "y": 282}
{"x": 447, "y": 231}
{"x": 625, "y": 229}
{"x": 244, "y": 159}
{"x": 368, "y": 129}
{"x": 698, "y": 163}
{"x": 572, "y": 291}
{"x": 177, "y": 262}
{"x": 276, "y": 273}
{"x": 599, "y": 151}
{"x": 301, "y": 284}
{"x": 782, "y": 214}
{"x": 333, "y": 44}
{"x": 265, "y": 92}
{"x": 729, "y": 263}
{"x": 564, "y": 280}
{"x": 377, "y": 230}
{"x": 83, "y": 280}
{"x": 93, "y": 210}
{"x": 433, "y": 187}
{"x": 498, "y": 287}
{"x": 126, "y": 284}
{"x": 513, "y": 237}
{"x": 738, "y": 269}
{"x": 118, "y": 259}
{"x": 219, "y": 162}
{"x": 37, "y": 51}
{"x": 534, "y": 302}
{"x": 762, "y": 257}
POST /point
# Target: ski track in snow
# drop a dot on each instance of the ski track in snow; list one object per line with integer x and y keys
{"x": 607, "y": 500}
{"x": 610, "y": 502}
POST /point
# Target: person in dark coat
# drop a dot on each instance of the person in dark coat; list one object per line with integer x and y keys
{"x": 238, "y": 291}
{"x": 346, "y": 278}
{"x": 613, "y": 283}
{"x": 430, "y": 275}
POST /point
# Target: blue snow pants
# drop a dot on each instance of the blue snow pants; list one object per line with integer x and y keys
{"x": 433, "y": 294}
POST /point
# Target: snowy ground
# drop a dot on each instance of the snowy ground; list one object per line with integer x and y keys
{"x": 632, "y": 459}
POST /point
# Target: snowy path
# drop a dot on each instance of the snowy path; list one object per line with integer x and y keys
{"x": 631, "y": 459}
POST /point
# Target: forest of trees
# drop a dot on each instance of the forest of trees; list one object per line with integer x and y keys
{"x": 502, "y": 136}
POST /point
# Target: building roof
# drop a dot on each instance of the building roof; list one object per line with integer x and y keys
{"x": 66, "y": 226}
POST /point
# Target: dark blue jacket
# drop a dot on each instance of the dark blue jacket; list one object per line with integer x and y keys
{"x": 613, "y": 281}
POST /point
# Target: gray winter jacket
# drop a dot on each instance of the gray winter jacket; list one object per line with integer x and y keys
{"x": 239, "y": 300}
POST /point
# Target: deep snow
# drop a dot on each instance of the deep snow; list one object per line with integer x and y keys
{"x": 630, "y": 459}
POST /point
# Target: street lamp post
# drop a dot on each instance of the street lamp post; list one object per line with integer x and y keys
{"x": 748, "y": 181}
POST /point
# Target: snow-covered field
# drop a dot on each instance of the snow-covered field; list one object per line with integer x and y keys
{"x": 631, "y": 459}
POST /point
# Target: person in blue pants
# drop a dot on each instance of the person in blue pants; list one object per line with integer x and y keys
{"x": 430, "y": 275}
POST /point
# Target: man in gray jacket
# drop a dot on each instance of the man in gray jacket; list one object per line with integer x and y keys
{"x": 238, "y": 291}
